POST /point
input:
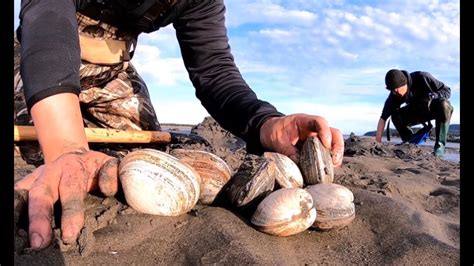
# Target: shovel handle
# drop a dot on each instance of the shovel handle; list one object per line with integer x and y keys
{"x": 104, "y": 135}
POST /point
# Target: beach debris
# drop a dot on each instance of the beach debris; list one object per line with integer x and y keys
{"x": 287, "y": 172}
{"x": 254, "y": 179}
{"x": 157, "y": 183}
{"x": 285, "y": 212}
{"x": 214, "y": 171}
{"x": 334, "y": 204}
{"x": 315, "y": 162}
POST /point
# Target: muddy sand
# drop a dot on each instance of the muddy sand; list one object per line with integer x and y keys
{"x": 407, "y": 212}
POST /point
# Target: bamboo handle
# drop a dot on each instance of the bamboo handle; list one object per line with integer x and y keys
{"x": 105, "y": 135}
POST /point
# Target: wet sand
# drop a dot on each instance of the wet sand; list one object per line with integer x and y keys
{"x": 407, "y": 212}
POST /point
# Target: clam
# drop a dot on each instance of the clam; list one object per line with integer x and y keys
{"x": 287, "y": 173}
{"x": 213, "y": 170}
{"x": 334, "y": 204}
{"x": 285, "y": 212}
{"x": 316, "y": 162}
{"x": 157, "y": 183}
{"x": 254, "y": 179}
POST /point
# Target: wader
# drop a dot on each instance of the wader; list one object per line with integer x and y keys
{"x": 410, "y": 115}
{"x": 113, "y": 95}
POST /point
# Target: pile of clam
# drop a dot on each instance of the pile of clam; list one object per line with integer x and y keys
{"x": 307, "y": 196}
{"x": 289, "y": 197}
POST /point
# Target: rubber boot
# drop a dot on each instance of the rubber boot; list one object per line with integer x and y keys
{"x": 442, "y": 109}
{"x": 441, "y": 137}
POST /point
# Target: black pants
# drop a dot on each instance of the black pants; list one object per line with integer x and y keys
{"x": 411, "y": 115}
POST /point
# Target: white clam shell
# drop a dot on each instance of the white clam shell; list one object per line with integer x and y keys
{"x": 157, "y": 183}
{"x": 334, "y": 204}
{"x": 214, "y": 171}
{"x": 316, "y": 162}
{"x": 284, "y": 212}
{"x": 287, "y": 172}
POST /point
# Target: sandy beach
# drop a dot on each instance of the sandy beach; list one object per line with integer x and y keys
{"x": 407, "y": 212}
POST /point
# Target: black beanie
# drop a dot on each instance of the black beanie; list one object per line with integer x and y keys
{"x": 395, "y": 79}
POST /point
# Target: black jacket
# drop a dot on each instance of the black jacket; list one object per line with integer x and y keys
{"x": 421, "y": 87}
{"x": 51, "y": 58}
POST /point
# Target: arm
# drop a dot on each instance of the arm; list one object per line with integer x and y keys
{"x": 50, "y": 60}
{"x": 437, "y": 88}
{"x": 223, "y": 92}
{"x": 219, "y": 85}
{"x": 380, "y": 127}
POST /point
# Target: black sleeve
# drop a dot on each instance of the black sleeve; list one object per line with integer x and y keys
{"x": 50, "y": 53}
{"x": 391, "y": 104}
{"x": 438, "y": 88}
{"x": 219, "y": 85}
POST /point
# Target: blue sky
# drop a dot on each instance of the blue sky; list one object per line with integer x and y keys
{"x": 325, "y": 57}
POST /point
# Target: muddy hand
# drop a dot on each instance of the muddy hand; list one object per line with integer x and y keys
{"x": 283, "y": 134}
{"x": 67, "y": 179}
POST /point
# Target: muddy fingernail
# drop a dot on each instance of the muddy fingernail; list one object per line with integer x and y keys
{"x": 36, "y": 241}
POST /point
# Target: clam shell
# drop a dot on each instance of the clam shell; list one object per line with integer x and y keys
{"x": 157, "y": 183}
{"x": 214, "y": 171}
{"x": 285, "y": 212}
{"x": 253, "y": 180}
{"x": 287, "y": 172}
{"x": 334, "y": 204}
{"x": 316, "y": 162}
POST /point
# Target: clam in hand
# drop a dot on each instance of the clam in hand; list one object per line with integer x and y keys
{"x": 287, "y": 173}
{"x": 316, "y": 162}
{"x": 214, "y": 171}
{"x": 157, "y": 183}
{"x": 334, "y": 204}
{"x": 285, "y": 212}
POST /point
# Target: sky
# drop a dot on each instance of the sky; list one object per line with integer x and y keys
{"x": 320, "y": 57}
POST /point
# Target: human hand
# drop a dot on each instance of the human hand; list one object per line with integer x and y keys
{"x": 286, "y": 134}
{"x": 68, "y": 179}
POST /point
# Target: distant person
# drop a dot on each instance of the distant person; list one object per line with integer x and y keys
{"x": 73, "y": 70}
{"x": 426, "y": 99}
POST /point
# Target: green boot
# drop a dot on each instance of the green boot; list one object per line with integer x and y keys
{"x": 441, "y": 137}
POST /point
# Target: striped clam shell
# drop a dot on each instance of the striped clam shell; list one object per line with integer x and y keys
{"x": 285, "y": 212}
{"x": 334, "y": 204}
{"x": 214, "y": 171}
{"x": 157, "y": 183}
{"x": 254, "y": 180}
{"x": 316, "y": 162}
{"x": 287, "y": 173}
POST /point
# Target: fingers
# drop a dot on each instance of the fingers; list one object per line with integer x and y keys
{"x": 40, "y": 212}
{"x": 337, "y": 146}
{"x": 72, "y": 191}
{"x": 309, "y": 125}
{"x": 108, "y": 177}
{"x": 26, "y": 182}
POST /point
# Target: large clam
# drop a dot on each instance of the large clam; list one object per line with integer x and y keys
{"x": 157, "y": 183}
{"x": 213, "y": 170}
{"x": 334, "y": 204}
{"x": 285, "y": 212}
{"x": 254, "y": 179}
{"x": 315, "y": 162}
{"x": 287, "y": 173}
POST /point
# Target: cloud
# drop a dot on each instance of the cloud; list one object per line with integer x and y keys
{"x": 325, "y": 57}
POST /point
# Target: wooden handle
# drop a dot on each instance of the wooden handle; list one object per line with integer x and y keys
{"x": 105, "y": 135}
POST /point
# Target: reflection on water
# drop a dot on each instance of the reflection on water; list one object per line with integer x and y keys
{"x": 451, "y": 153}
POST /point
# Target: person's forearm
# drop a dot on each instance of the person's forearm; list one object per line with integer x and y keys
{"x": 380, "y": 127}
{"x": 59, "y": 125}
